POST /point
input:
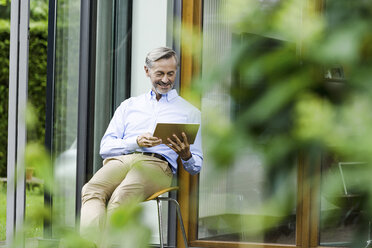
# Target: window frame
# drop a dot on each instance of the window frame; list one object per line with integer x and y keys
{"x": 308, "y": 171}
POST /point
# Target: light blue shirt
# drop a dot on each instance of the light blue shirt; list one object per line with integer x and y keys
{"x": 139, "y": 115}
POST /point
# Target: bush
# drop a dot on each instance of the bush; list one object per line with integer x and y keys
{"x": 36, "y": 84}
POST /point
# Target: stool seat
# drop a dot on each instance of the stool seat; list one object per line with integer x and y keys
{"x": 163, "y": 191}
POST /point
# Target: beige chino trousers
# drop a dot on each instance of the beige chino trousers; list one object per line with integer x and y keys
{"x": 122, "y": 179}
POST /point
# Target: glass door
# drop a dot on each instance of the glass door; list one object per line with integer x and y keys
{"x": 342, "y": 198}
{"x": 345, "y": 212}
{"x": 113, "y": 63}
{"x": 111, "y": 80}
{"x": 236, "y": 201}
{"x": 66, "y": 86}
{"x": 4, "y": 79}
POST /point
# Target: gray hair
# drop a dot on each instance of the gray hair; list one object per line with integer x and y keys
{"x": 160, "y": 53}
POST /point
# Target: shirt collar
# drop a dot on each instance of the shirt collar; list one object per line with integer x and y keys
{"x": 169, "y": 96}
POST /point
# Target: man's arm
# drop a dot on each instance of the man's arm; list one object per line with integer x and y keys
{"x": 193, "y": 165}
{"x": 147, "y": 140}
{"x": 113, "y": 142}
{"x": 191, "y": 155}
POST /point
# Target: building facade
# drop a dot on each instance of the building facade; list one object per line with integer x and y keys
{"x": 96, "y": 52}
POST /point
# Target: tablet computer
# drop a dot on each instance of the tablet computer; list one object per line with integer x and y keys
{"x": 166, "y": 130}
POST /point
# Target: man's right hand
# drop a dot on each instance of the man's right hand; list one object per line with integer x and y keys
{"x": 147, "y": 140}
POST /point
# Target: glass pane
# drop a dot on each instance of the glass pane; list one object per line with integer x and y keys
{"x": 113, "y": 73}
{"x": 345, "y": 219}
{"x": 103, "y": 88}
{"x": 38, "y": 40}
{"x": 4, "y": 79}
{"x": 234, "y": 203}
{"x": 231, "y": 203}
{"x": 112, "y": 65}
{"x": 122, "y": 49}
{"x": 342, "y": 211}
{"x": 65, "y": 113}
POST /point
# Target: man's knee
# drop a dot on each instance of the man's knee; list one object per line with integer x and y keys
{"x": 126, "y": 195}
{"x": 85, "y": 190}
{"x": 91, "y": 190}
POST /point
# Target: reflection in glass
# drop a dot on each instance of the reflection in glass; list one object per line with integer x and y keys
{"x": 233, "y": 201}
{"x": 4, "y": 79}
{"x": 65, "y": 112}
{"x": 103, "y": 87}
{"x": 342, "y": 216}
{"x": 35, "y": 179}
{"x": 112, "y": 65}
{"x": 345, "y": 181}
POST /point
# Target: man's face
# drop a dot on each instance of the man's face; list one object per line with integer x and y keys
{"x": 162, "y": 75}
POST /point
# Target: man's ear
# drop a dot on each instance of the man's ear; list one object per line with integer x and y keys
{"x": 147, "y": 70}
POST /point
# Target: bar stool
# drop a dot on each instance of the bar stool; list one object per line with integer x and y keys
{"x": 157, "y": 196}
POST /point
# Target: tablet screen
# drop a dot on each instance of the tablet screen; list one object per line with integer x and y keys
{"x": 166, "y": 130}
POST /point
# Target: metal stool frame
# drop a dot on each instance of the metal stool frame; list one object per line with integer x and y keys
{"x": 156, "y": 196}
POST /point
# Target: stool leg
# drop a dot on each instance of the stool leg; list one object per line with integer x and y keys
{"x": 160, "y": 223}
{"x": 178, "y": 210}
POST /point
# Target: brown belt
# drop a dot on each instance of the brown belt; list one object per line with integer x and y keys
{"x": 153, "y": 155}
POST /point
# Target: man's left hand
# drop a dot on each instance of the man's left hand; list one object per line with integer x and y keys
{"x": 181, "y": 148}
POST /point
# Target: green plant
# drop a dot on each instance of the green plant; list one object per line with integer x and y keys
{"x": 35, "y": 202}
{"x": 37, "y": 84}
{"x": 285, "y": 103}
{"x": 38, "y": 10}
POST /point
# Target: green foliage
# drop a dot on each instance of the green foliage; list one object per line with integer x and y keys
{"x": 37, "y": 84}
{"x": 38, "y": 10}
{"x": 37, "y": 78}
{"x": 37, "y": 158}
{"x": 34, "y": 208}
{"x": 2, "y": 211}
{"x": 126, "y": 227}
{"x": 4, "y": 82}
{"x": 285, "y": 102}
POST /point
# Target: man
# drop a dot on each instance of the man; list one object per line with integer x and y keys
{"x": 136, "y": 164}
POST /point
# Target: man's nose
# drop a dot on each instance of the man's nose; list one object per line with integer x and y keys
{"x": 165, "y": 79}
